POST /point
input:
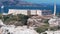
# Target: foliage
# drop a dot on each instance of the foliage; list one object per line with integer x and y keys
{"x": 20, "y": 18}
{"x": 54, "y": 28}
{"x": 42, "y": 28}
{"x": 46, "y": 21}
{"x": 0, "y": 16}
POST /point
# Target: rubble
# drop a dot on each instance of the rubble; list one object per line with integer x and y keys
{"x": 35, "y": 21}
{"x": 51, "y": 32}
{"x": 12, "y": 29}
{"x": 18, "y": 30}
{"x": 55, "y": 21}
{"x": 1, "y": 23}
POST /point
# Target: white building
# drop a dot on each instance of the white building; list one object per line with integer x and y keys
{"x": 29, "y": 12}
{"x": 17, "y": 11}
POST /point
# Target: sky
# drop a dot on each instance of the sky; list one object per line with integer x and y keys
{"x": 43, "y": 1}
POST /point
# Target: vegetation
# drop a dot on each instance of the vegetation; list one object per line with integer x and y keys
{"x": 0, "y": 16}
{"x": 42, "y": 28}
{"x": 55, "y": 28}
{"x": 19, "y": 19}
{"x": 46, "y": 21}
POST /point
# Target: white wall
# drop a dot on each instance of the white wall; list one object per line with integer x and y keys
{"x": 17, "y": 11}
{"x": 39, "y": 12}
{"x": 33, "y": 12}
{"x": 20, "y": 11}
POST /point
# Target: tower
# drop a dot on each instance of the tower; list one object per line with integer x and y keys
{"x": 55, "y": 9}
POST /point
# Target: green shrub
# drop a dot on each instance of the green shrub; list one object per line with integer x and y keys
{"x": 41, "y": 29}
{"x": 0, "y": 16}
{"x": 54, "y": 28}
{"x": 46, "y": 21}
{"x": 20, "y": 18}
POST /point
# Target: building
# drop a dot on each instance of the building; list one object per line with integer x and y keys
{"x": 29, "y": 12}
{"x": 17, "y": 11}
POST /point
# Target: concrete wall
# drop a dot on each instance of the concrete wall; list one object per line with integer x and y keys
{"x": 33, "y": 12}
{"x": 17, "y": 11}
{"x": 29, "y": 12}
{"x": 39, "y": 12}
